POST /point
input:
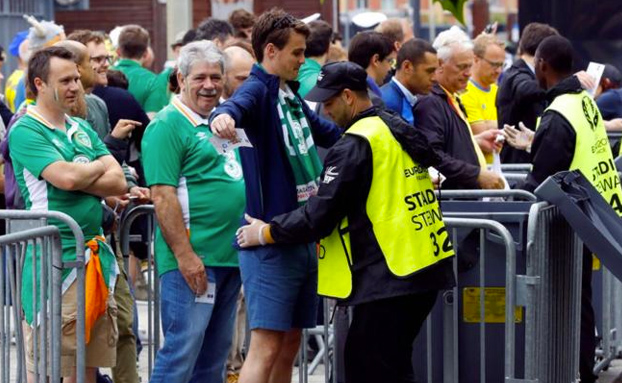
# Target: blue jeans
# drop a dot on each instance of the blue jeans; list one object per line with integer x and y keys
{"x": 197, "y": 336}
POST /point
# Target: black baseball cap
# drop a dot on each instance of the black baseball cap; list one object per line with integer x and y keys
{"x": 612, "y": 73}
{"x": 335, "y": 77}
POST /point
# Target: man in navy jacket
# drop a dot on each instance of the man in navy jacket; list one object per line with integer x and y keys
{"x": 416, "y": 64}
{"x": 281, "y": 172}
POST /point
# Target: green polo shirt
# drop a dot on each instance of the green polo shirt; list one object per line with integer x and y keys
{"x": 36, "y": 144}
{"x": 143, "y": 85}
{"x": 307, "y": 76}
{"x": 210, "y": 187}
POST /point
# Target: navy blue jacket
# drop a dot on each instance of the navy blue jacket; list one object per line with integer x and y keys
{"x": 270, "y": 184}
{"x": 395, "y": 100}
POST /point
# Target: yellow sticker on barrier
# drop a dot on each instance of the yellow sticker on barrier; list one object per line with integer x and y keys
{"x": 494, "y": 299}
{"x": 595, "y": 263}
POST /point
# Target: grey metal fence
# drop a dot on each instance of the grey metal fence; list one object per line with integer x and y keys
{"x": 536, "y": 340}
{"x": 504, "y": 320}
{"x": 610, "y": 305}
{"x": 153, "y": 280}
{"x": 552, "y": 287}
{"x": 28, "y": 231}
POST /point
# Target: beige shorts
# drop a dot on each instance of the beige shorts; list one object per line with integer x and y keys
{"x": 101, "y": 351}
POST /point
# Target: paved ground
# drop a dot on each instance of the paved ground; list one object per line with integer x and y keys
{"x": 318, "y": 376}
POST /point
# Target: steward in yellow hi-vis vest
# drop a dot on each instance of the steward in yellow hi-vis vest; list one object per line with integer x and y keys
{"x": 571, "y": 135}
{"x": 403, "y": 212}
{"x": 384, "y": 247}
{"x": 592, "y": 153}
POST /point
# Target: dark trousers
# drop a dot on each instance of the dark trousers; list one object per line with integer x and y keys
{"x": 379, "y": 344}
{"x": 588, "y": 339}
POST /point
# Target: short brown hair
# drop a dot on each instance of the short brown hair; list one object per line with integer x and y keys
{"x": 482, "y": 41}
{"x": 133, "y": 41}
{"x": 392, "y": 28}
{"x": 532, "y": 36}
{"x": 274, "y": 27}
{"x": 39, "y": 64}
{"x": 86, "y": 36}
{"x": 241, "y": 19}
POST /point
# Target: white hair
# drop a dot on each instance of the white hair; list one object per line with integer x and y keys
{"x": 203, "y": 50}
{"x": 450, "y": 41}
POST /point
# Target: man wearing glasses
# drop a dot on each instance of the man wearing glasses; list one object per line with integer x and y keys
{"x": 481, "y": 91}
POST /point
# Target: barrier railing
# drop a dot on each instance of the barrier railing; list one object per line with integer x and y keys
{"x": 29, "y": 231}
{"x": 547, "y": 258}
{"x": 502, "y": 322}
{"x": 516, "y": 167}
{"x": 611, "y": 321}
{"x": 153, "y": 280}
{"x": 552, "y": 287}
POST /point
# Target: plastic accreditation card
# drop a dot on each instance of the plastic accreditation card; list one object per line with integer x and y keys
{"x": 223, "y": 145}
{"x": 209, "y": 296}
{"x": 596, "y": 71}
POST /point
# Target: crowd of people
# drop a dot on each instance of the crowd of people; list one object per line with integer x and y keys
{"x": 282, "y": 167}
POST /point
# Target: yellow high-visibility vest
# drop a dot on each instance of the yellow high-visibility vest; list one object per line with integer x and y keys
{"x": 404, "y": 213}
{"x": 592, "y": 153}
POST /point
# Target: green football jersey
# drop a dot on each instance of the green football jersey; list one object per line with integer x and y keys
{"x": 35, "y": 144}
{"x": 210, "y": 187}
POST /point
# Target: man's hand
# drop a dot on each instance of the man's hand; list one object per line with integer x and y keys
{"x": 223, "y": 126}
{"x": 124, "y": 128}
{"x": 587, "y": 81}
{"x": 614, "y": 125}
{"x": 249, "y": 235}
{"x": 488, "y": 142}
{"x": 118, "y": 203}
{"x": 192, "y": 269}
{"x": 490, "y": 180}
{"x": 518, "y": 138}
{"x": 143, "y": 195}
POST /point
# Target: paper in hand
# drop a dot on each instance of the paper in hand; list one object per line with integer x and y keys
{"x": 223, "y": 145}
{"x": 596, "y": 71}
{"x": 209, "y": 296}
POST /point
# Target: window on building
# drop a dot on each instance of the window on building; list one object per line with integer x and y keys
{"x": 361, "y": 3}
{"x": 388, "y": 4}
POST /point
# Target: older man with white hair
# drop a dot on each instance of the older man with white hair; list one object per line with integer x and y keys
{"x": 442, "y": 118}
{"x": 199, "y": 198}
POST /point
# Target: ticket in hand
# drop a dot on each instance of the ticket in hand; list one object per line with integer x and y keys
{"x": 596, "y": 71}
{"x": 223, "y": 145}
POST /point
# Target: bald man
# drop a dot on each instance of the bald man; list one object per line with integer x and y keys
{"x": 238, "y": 64}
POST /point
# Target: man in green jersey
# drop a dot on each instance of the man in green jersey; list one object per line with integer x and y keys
{"x": 199, "y": 199}
{"x": 143, "y": 83}
{"x": 60, "y": 164}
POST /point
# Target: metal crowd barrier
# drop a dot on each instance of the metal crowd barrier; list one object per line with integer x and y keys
{"x": 607, "y": 294}
{"x": 502, "y": 322}
{"x": 324, "y": 334}
{"x": 30, "y": 231}
{"x": 153, "y": 280}
{"x": 552, "y": 288}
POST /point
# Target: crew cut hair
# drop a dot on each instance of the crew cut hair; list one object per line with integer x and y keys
{"x": 414, "y": 50}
